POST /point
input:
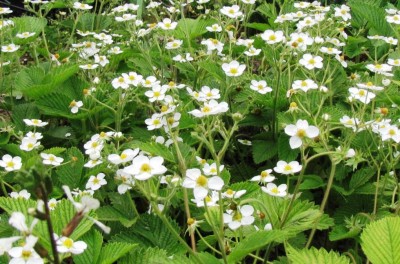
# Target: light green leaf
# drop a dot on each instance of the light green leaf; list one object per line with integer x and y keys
{"x": 94, "y": 241}
{"x": 71, "y": 173}
{"x": 253, "y": 242}
{"x": 315, "y": 256}
{"x": 113, "y": 251}
{"x": 380, "y": 241}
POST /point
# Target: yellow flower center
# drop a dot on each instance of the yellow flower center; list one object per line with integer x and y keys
{"x": 361, "y": 92}
{"x": 233, "y": 70}
{"x": 275, "y": 190}
{"x": 145, "y": 168}
{"x": 311, "y": 61}
{"x": 202, "y": 181}
{"x": 26, "y": 254}
{"x": 287, "y": 167}
{"x": 206, "y": 109}
{"x": 68, "y": 243}
{"x": 230, "y": 192}
{"x": 264, "y": 174}
{"x": 10, "y": 164}
{"x": 123, "y": 156}
{"x": 272, "y": 37}
{"x": 392, "y": 132}
{"x": 300, "y": 133}
{"x": 237, "y": 216}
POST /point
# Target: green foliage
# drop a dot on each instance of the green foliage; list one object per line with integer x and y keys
{"x": 189, "y": 28}
{"x": 380, "y": 241}
{"x": 264, "y": 150}
{"x": 71, "y": 173}
{"x": 122, "y": 210}
{"x": 253, "y": 242}
{"x": 94, "y": 241}
{"x": 150, "y": 232}
{"x": 315, "y": 256}
{"x": 28, "y": 24}
{"x": 37, "y": 82}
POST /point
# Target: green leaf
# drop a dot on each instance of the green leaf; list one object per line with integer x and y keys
{"x": 113, "y": 251}
{"x": 253, "y": 242}
{"x": 315, "y": 256}
{"x": 150, "y": 231}
{"x": 284, "y": 151}
{"x": 94, "y": 241}
{"x": 152, "y": 255}
{"x": 264, "y": 150}
{"x": 380, "y": 241}
{"x": 24, "y": 111}
{"x": 28, "y": 24}
{"x": 122, "y": 210}
{"x": 71, "y": 173}
{"x": 156, "y": 149}
{"x": 340, "y": 232}
{"x": 360, "y": 177}
{"x": 311, "y": 182}
{"x": 189, "y": 28}
{"x": 213, "y": 69}
{"x": 35, "y": 82}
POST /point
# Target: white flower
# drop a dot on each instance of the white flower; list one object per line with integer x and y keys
{"x": 5, "y": 10}
{"x": 167, "y": 24}
{"x": 231, "y": 11}
{"x": 28, "y": 144}
{"x": 233, "y": 68}
{"x": 102, "y": 60}
{"x": 300, "y": 41}
{"x": 126, "y": 155}
{"x": 52, "y": 203}
{"x": 394, "y": 62}
{"x": 210, "y": 108}
{"x": 206, "y": 93}
{"x": 174, "y": 44}
{"x": 383, "y": 69}
{"x": 125, "y": 17}
{"x": 330, "y": 50}
{"x": 132, "y": 78}
{"x": 260, "y": 86}
{"x": 157, "y": 93}
{"x": 212, "y": 169}
{"x": 343, "y": 11}
{"x": 304, "y": 85}
{"x": 264, "y": 177}
{"x": 92, "y": 163}
{"x": 35, "y": 122}
{"x": 82, "y": 6}
{"x": 209, "y": 200}
{"x": 34, "y": 135}
{"x": 245, "y": 142}
{"x": 231, "y": 194}
{"x": 395, "y": 19}
{"x": 353, "y": 123}
{"x": 74, "y": 105}
{"x": 67, "y": 245}
{"x": 241, "y": 217}
{"x": 18, "y": 221}
{"x": 150, "y": 82}
{"x": 214, "y": 28}
{"x": 144, "y": 168}
{"x": 252, "y": 52}
{"x": 127, "y": 181}
{"x": 9, "y": 48}
{"x": 390, "y": 132}
{"x": 95, "y": 182}
{"x": 25, "y": 35}
{"x": 11, "y": 163}
{"x": 25, "y": 254}
{"x": 274, "y": 190}
{"x": 299, "y": 131}
{"x": 287, "y": 168}
{"x": 23, "y": 194}
{"x": 154, "y": 122}
{"x": 6, "y": 243}
{"x": 115, "y": 50}
{"x": 362, "y": 95}
{"x": 201, "y": 184}
{"x": 50, "y": 159}
{"x": 272, "y": 37}
{"x": 120, "y": 82}
{"x": 310, "y": 62}
{"x": 89, "y": 66}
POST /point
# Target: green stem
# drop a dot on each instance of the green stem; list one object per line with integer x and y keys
{"x": 324, "y": 202}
